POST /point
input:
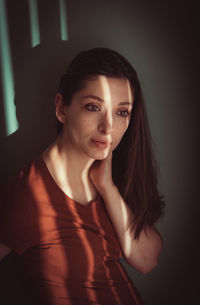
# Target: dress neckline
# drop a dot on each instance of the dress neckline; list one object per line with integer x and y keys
{"x": 53, "y": 182}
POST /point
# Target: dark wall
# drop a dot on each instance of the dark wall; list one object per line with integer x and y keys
{"x": 161, "y": 41}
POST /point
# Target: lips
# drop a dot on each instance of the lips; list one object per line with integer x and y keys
{"x": 101, "y": 143}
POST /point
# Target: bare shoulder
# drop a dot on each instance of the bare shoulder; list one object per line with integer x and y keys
{"x": 4, "y": 251}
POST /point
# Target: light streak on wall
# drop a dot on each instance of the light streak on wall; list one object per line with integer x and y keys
{"x": 7, "y": 73}
{"x": 63, "y": 20}
{"x": 34, "y": 23}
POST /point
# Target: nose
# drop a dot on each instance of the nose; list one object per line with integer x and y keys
{"x": 106, "y": 124}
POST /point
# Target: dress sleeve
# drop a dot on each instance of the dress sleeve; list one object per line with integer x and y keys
{"x": 18, "y": 217}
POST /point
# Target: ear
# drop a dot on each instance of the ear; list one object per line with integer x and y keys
{"x": 60, "y": 108}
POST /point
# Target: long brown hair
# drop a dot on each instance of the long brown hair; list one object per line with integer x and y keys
{"x": 134, "y": 166}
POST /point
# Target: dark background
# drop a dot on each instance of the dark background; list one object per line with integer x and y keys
{"x": 160, "y": 39}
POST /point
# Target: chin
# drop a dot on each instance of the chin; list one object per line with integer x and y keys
{"x": 101, "y": 155}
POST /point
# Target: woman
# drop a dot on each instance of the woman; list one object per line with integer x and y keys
{"x": 92, "y": 196}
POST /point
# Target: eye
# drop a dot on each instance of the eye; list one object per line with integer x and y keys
{"x": 123, "y": 113}
{"x": 92, "y": 107}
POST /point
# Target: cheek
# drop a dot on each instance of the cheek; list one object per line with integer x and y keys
{"x": 119, "y": 132}
{"x": 86, "y": 126}
{"x": 81, "y": 126}
{"x": 88, "y": 122}
{"x": 120, "y": 128}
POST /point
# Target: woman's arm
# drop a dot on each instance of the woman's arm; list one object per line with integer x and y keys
{"x": 143, "y": 253}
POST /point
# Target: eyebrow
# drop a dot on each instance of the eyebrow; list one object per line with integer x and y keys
{"x": 99, "y": 99}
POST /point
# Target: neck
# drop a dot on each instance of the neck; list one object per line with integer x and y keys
{"x": 69, "y": 167}
{"x": 75, "y": 162}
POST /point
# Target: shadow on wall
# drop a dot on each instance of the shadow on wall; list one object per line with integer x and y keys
{"x": 36, "y": 76}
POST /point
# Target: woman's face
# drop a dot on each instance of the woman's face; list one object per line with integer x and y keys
{"x": 98, "y": 116}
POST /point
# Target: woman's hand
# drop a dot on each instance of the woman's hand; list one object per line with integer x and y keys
{"x": 101, "y": 174}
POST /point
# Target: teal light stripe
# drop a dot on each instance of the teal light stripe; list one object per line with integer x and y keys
{"x": 34, "y": 23}
{"x": 63, "y": 20}
{"x": 7, "y": 74}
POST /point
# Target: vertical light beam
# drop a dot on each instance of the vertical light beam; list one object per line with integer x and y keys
{"x": 34, "y": 23}
{"x": 7, "y": 74}
{"x": 63, "y": 20}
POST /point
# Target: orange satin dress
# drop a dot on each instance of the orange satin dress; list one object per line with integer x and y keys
{"x": 70, "y": 251}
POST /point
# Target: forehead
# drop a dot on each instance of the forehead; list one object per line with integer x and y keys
{"x": 107, "y": 88}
